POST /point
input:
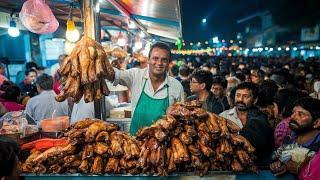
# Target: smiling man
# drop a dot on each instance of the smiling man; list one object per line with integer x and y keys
{"x": 151, "y": 88}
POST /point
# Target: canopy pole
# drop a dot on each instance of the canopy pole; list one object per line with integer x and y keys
{"x": 92, "y": 30}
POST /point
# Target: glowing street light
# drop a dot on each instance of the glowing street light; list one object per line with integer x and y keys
{"x": 215, "y": 39}
{"x": 204, "y": 20}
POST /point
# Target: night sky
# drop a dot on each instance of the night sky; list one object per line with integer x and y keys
{"x": 222, "y": 16}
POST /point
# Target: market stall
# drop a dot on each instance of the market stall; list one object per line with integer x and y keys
{"x": 187, "y": 142}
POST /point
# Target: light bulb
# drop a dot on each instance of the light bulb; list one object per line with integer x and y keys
{"x": 72, "y": 33}
{"x": 13, "y": 31}
{"x": 121, "y": 42}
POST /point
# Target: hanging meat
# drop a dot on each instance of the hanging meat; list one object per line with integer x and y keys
{"x": 83, "y": 72}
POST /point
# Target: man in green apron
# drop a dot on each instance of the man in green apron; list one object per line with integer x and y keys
{"x": 151, "y": 88}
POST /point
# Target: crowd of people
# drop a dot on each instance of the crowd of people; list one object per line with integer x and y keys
{"x": 274, "y": 101}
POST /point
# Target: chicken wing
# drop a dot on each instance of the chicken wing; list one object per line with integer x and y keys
{"x": 84, "y": 123}
{"x": 236, "y": 166}
{"x": 185, "y": 138}
{"x": 97, "y": 166}
{"x": 94, "y": 129}
{"x": 207, "y": 151}
{"x": 213, "y": 124}
{"x": 87, "y": 152}
{"x": 103, "y": 136}
{"x": 239, "y": 140}
{"x": 101, "y": 148}
{"x": 112, "y": 165}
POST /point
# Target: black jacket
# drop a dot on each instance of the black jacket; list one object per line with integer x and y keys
{"x": 260, "y": 134}
{"x": 213, "y": 104}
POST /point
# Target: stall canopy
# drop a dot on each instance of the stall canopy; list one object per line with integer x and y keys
{"x": 158, "y": 19}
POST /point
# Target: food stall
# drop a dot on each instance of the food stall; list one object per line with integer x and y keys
{"x": 187, "y": 143}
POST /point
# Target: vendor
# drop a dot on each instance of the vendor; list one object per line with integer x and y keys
{"x": 152, "y": 89}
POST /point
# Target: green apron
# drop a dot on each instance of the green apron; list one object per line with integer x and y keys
{"x": 148, "y": 110}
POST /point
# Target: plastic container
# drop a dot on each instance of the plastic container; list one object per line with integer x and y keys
{"x": 55, "y": 124}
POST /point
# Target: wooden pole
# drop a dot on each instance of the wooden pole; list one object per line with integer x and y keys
{"x": 92, "y": 29}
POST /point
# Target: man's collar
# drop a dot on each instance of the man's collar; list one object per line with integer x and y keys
{"x": 233, "y": 111}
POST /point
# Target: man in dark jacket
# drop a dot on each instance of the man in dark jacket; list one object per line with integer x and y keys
{"x": 253, "y": 123}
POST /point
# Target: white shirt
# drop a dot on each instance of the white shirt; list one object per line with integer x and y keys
{"x": 43, "y": 106}
{"x": 54, "y": 68}
{"x": 83, "y": 110}
{"x": 135, "y": 78}
{"x": 232, "y": 115}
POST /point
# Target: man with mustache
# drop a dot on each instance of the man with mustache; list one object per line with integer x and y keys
{"x": 253, "y": 123}
{"x": 152, "y": 89}
{"x": 305, "y": 124}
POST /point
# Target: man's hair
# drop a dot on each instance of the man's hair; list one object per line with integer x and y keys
{"x": 11, "y": 93}
{"x": 259, "y": 73}
{"x": 29, "y": 71}
{"x": 203, "y": 76}
{"x": 285, "y": 100}
{"x": 31, "y": 65}
{"x": 9, "y": 150}
{"x": 310, "y": 104}
{"x": 249, "y": 86}
{"x": 45, "y": 82}
{"x": 267, "y": 91}
{"x": 175, "y": 70}
{"x": 160, "y": 45}
{"x": 220, "y": 81}
{"x": 184, "y": 70}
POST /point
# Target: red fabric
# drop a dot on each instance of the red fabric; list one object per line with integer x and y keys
{"x": 2, "y": 79}
{"x": 282, "y": 130}
{"x": 13, "y": 106}
{"x": 311, "y": 171}
{"x": 56, "y": 87}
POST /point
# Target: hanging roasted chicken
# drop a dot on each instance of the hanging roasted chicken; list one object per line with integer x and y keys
{"x": 83, "y": 72}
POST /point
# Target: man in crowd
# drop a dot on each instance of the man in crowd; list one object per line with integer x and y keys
{"x": 305, "y": 124}
{"x": 257, "y": 76}
{"x": 253, "y": 123}
{"x": 200, "y": 86}
{"x": 44, "y": 105}
{"x": 184, "y": 73}
{"x": 150, "y": 87}
{"x": 2, "y": 74}
{"x": 27, "y": 86}
{"x": 9, "y": 161}
{"x": 219, "y": 87}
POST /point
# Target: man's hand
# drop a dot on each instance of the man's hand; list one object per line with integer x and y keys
{"x": 292, "y": 166}
{"x": 278, "y": 168}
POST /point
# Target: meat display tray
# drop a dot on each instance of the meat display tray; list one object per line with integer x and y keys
{"x": 212, "y": 175}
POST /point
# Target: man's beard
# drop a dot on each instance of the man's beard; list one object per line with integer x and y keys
{"x": 242, "y": 106}
{"x": 300, "y": 129}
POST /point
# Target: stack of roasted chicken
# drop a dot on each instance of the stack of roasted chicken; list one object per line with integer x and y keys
{"x": 94, "y": 147}
{"x": 188, "y": 139}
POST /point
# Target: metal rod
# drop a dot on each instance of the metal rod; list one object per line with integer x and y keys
{"x": 92, "y": 30}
